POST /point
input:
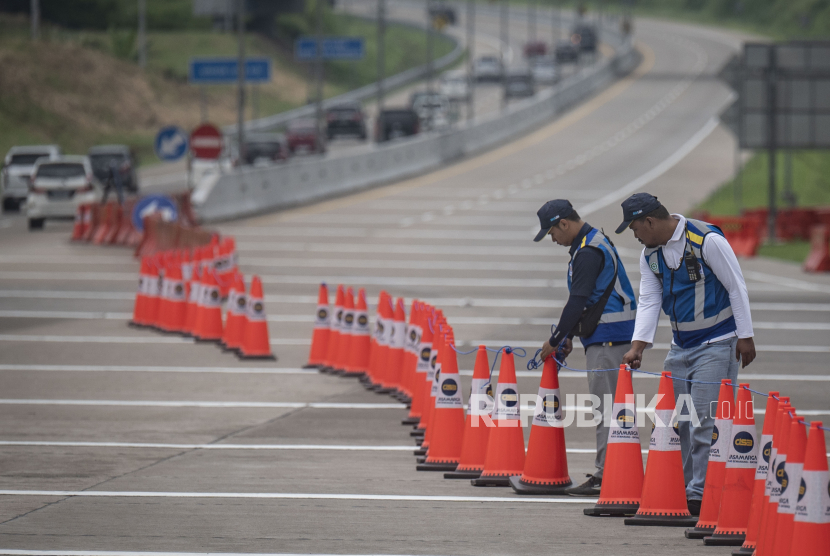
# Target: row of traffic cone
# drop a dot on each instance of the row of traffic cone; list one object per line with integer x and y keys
{"x": 182, "y": 293}
{"x": 109, "y": 224}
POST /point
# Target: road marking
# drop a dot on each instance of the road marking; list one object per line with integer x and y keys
{"x": 297, "y": 496}
{"x": 536, "y": 344}
{"x": 158, "y": 339}
{"x": 210, "y": 404}
{"x": 52, "y": 294}
{"x": 789, "y": 282}
{"x": 21, "y": 552}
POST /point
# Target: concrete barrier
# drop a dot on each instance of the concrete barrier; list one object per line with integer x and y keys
{"x": 248, "y": 191}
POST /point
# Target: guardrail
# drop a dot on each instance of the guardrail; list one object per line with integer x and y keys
{"x": 248, "y": 191}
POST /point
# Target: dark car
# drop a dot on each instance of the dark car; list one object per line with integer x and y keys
{"x": 534, "y": 49}
{"x": 265, "y": 148}
{"x": 519, "y": 83}
{"x": 301, "y": 136}
{"x": 101, "y": 156}
{"x": 346, "y": 119}
{"x": 566, "y": 51}
{"x": 584, "y": 37}
{"x": 393, "y": 123}
{"x": 444, "y": 12}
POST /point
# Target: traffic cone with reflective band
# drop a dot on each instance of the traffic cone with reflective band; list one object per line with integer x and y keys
{"x": 663, "y": 500}
{"x": 154, "y": 291}
{"x": 383, "y": 327}
{"x": 622, "y": 478}
{"x": 782, "y": 537}
{"x": 345, "y": 343}
{"x": 738, "y": 482}
{"x": 164, "y": 299}
{"x": 410, "y": 352}
{"x": 444, "y": 338}
{"x": 209, "y": 317}
{"x": 811, "y": 523}
{"x": 358, "y": 358}
{"x": 394, "y": 363}
{"x": 176, "y": 301}
{"x": 448, "y": 424}
{"x": 506, "y": 443}
{"x": 431, "y": 388}
{"x": 140, "y": 307}
{"x": 194, "y": 297}
{"x": 78, "y": 229}
{"x": 478, "y": 423}
{"x": 427, "y": 374}
{"x": 546, "y": 465}
{"x": 256, "y": 343}
{"x": 333, "y": 347}
{"x": 418, "y": 361}
{"x": 235, "y": 315}
{"x": 758, "y": 502}
{"x": 385, "y": 384}
{"x": 368, "y": 380}
{"x": 716, "y": 469}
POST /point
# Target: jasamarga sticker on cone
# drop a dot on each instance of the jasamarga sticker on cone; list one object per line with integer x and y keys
{"x": 507, "y": 402}
{"x": 665, "y": 435}
{"x": 481, "y": 397}
{"x": 744, "y": 452}
{"x": 623, "y": 427}
{"x": 449, "y": 393}
{"x": 548, "y": 410}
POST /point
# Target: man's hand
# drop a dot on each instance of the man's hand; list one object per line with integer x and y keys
{"x": 547, "y": 349}
{"x": 634, "y": 357}
{"x": 745, "y": 351}
{"x": 567, "y": 347}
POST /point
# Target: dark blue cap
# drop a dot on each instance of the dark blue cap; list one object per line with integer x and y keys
{"x": 637, "y": 206}
{"x": 550, "y": 214}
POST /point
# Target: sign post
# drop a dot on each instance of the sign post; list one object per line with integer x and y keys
{"x": 170, "y": 144}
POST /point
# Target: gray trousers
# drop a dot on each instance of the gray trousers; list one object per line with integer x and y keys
{"x": 599, "y": 384}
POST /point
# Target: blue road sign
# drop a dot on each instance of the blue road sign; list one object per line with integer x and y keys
{"x": 217, "y": 71}
{"x": 171, "y": 143}
{"x": 152, "y": 204}
{"x": 333, "y": 48}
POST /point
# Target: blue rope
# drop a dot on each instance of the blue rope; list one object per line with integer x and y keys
{"x": 462, "y": 352}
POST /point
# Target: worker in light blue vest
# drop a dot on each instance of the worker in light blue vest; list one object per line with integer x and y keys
{"x": 600, "y": 310}
{"x": 689, "y": 269}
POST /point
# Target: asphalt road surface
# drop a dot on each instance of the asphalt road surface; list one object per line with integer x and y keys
{"x": 115, "y": 439}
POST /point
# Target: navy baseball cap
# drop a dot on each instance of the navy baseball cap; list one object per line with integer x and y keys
{"x": 637, "y": 206}
{"x": 550, "y": 214}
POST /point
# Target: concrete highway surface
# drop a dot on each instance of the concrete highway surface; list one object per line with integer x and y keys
{"x": 115, "y": 439}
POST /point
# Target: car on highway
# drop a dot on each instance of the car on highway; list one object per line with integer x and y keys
{"x": 101, "y": 156}
{"x": 346, "y": 119}
{"x": 584, "y": 37}
{"x": 519, "y": 83}
{"x": 454, "y": 85}
{"x": 447, "y": 13}
{"x": 433, "y": 110}
{"x": 58, "y": 186}
{"x": 394, "y": 123}
{"x": 544, "y": 70}
{"x": 262, "y": 149}
{"x": 17, "y": 170}
{"x": 302, "y": 137}
{"x": 534, "y": 49}
{"x": 487, "y": 68}
{"x": 566, "y": 52}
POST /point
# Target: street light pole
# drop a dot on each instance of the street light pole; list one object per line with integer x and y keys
{"x": 503, "y": 50}
{"x": 318, "y": 112}
{"x": 471, "y": 30}
{"x": 381, "y": 52}
{"x": 531, "y": 20}
{"x": 142, "y": 33}
{"x": 240, "y": 93}
{"x": 430, "y": 70}
{"x": 35, "y": 15}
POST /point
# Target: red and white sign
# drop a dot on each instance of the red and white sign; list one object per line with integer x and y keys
{"x": 206, "y": 141}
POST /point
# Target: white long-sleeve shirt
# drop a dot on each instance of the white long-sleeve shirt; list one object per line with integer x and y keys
{"x": 721, "y": 259}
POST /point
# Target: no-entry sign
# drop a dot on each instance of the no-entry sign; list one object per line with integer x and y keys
{"x": 206, "y": 141}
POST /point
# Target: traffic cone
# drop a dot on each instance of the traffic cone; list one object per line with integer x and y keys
{"x": 622, "y": 478}
{"x": 758, "y": 502}
{"x": 738, "y": 482}
{"x": 396, "y": 348}
{"x": 416, "y": 370}
{"x": 154, "y": 291}
{"x": 209, "y": 316}
{"x": 546, "y": 465}
{"x": 358, "y": 357}
{"x": 439, "y": 344}
{"x": 235, "y": 315}
{"x": 194, "y": 296}
{"x": 320, "y": 336}
{"x": 506, "y": 443}
{"x": 811, "y": 524}
{"x": 410, "y": 352}
{"x": 333, "y": 347}
{"x": 477, "y": 425}
{"x": 176, "y": 301}
{"x": 663, "y": 500}
{"x": 368, "y": 379}
{"x": 448, "y": 424}
{"x": 164, "y": 300}
{"x": 78, "y": 229}
{"x": 377, "y": 360}
{"x": 345, "y": 343}
{"x": 140, "y": 308}
{"x": 716, "y": 468}
{"x": 790, "y": 482}
{"x": 427, "y": 375}
{"x": 385, "y": 376}
{"x": 256, "y": 344}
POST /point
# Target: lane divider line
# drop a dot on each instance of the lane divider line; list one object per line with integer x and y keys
{"x": 204, "y": 404}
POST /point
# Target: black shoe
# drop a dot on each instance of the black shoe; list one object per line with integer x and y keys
{"x": 591, "y": 487}
{"x": 694, "y": 506}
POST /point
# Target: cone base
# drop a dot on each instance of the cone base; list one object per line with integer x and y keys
{"x": 312, "y": 366}
{"x": 436, "y": 466}
{"x": 699, "y": 532}
{"x": 325, "y": 369}
{"x": 419, "y": 441}
{"x": 354, "y": 374}
{"x": 612, "y": 510}
{"x": 421, "y": 452}
{"x": 381, "y": 389}
{"x": 417, "y": 433}
{"x": 464, "y": 474}
{"x": 724, "y": 540}
{"x": 662, "y": 520}
{"x": 264, "y": 357}
{"x": 199, "y": 340}
{"x": 492, "y": 481}
{"x": 366, "y": 380}
{"x": 227, "y": 349}
{"x": 133, "y": 324}
{"x": 743, "y": 551}
{"x": 411, "y": 421}
{"x": 522, "y": 487}
{"x": 337, "y": 372}
{"x": 421, "y": 459}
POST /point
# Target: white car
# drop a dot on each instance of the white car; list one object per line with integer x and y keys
{"x": 433, "y": 111}
{"x": 487, "y": 68}
{"x": 17, "y": 169}
{"x": 454, "y": 85}
{"x": 58, "y": 187}
{"x": 545, "y": 71}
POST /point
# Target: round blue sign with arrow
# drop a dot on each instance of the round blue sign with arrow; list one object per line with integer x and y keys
{"x": 171, "y": 143}
{"x": 151, "y": 204}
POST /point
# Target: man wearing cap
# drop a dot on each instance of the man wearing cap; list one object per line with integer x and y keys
{"x": 600, "y": 309}
{"x": 689, "y": 269}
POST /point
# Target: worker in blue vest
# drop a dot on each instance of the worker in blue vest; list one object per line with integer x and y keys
{"x": 600, "y": 310}
{"x": 689, "y": 269}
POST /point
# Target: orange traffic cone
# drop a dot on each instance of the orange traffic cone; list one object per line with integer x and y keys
{"x": 256, "y": 344}
{"x": 416, "y": 369}
{"x": 333, "y": 347}
{"x": 663, "y": 500}
{"x": 738, "y": 482}
{"x": 209, "y": 315}
{"x": 176, "y": 299}
{"x": 426, "y": 363}
{"x": 546, "y": 466}
{"x": 140, "y": 307}
{"x": 622, "y": 478}
{"x": 194, "y": 296}
{"x": 439, "y": 344}
{"x": 506, "y": 443}
{"x": 346, "y": 324}
{"x": 154, "y": 291}
{"x": 811, "y": 524}
{"x": 368, "y": 379}
{"x": 758, "y": 501}
{"x": 716, "y": 469}
{"x": 410, "y": 352}
{"x": 164, "y": 300}
{"x": 383, "y": 327}
{"x": 358, "y": 358}
{"x": 448, "y": 424}
{"x": 396, "y": 346}
{"x": 790, "y": 483}
{"x": 477, "y": 426}
{"x": 235, "y": 315}
{"x": 79, "y": 228}
{"x": 320, "y": 336}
